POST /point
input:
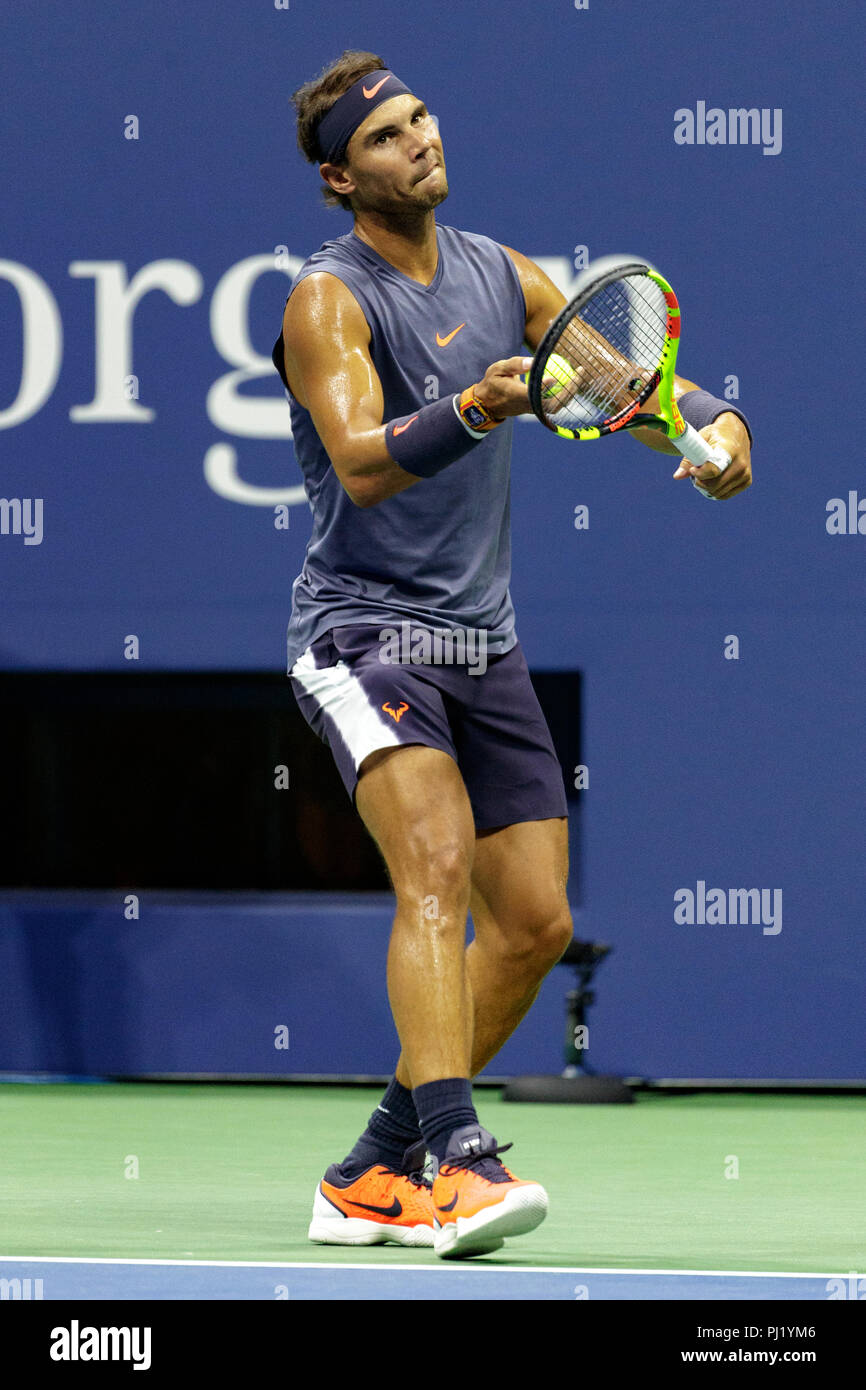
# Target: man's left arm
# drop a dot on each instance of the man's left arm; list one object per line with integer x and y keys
{"x": 727, "y": 431}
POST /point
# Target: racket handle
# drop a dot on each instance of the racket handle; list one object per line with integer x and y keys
{"x": 696, "y": 449}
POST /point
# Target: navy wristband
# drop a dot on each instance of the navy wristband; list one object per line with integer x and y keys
{"x": 699, "y": 409}
{"x": 431, "y": 439}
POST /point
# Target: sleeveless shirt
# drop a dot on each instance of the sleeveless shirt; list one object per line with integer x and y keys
{"x": 438, "y": 554}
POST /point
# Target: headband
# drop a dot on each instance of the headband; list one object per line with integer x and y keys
{"x": 338, "y": 125}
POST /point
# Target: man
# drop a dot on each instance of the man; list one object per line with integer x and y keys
{"x": 402, "y": 349}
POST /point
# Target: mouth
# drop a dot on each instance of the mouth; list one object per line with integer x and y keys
{"x": 429, "y": 172}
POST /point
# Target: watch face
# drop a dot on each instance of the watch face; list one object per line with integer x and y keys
{"x": 474, "y": 416}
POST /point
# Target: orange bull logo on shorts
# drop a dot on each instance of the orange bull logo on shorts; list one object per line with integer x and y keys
{"x": 396, "y": 714}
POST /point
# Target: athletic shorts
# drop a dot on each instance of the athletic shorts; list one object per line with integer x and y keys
{"x": 490, "y": 723}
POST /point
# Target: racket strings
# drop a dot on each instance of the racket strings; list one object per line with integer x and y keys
{"x": 612, "y": 347}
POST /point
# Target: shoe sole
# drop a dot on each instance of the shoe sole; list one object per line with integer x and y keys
{"x": 327, "y": 1228}
{"x": 350, "y": 1230}
{"x": 519, "y": 1211}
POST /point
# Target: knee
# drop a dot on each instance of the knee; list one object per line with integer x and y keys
{"x": 435, "y": 877}
{"x": 557, "y": 936}
{"x": 552, "y": 938}
{"x": 537, "y": 947}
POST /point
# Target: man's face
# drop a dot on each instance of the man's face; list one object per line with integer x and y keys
{"x": 394, "y": 161}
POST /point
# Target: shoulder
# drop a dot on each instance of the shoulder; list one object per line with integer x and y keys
{"x": 536, "y": 284}
{"x": 526, "y": 269}
{"x": 332, "y": 278}
{"x": 543, "y": 299}
{"x": 322, "y": 306}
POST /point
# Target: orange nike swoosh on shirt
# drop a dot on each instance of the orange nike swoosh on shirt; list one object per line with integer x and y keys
{"x": 443, "y": 342}
{"x": 373, "y": 90}
{"x": 398, "y": 429}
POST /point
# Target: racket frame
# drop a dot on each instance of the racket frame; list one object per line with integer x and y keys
{"x": 595, "y": 278}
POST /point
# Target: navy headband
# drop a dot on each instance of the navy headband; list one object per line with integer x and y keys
{"x": 338, "y": 125}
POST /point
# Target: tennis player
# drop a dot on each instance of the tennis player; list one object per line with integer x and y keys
{"x": 402, "y": 350}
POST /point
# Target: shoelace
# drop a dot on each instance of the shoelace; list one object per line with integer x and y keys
{"x": 488, "y": 1171}
{"x": 416, "y": 1179}
{"x": 419, "y": 1180}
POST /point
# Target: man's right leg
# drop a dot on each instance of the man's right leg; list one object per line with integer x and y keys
{"x": 413, "y": 802}
{"x": 415, "y": 805}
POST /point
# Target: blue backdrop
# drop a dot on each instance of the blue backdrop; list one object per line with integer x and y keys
{"x": 145, "y": 437}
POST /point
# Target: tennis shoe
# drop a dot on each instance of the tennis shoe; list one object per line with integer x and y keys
{"x": 477, "y": 1202}
{"x": 384, "y": 1206}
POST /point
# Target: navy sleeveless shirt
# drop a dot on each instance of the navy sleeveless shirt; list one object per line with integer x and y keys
{"x": 439, "y": 553}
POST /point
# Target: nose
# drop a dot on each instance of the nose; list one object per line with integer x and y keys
{"x": 424, "y": 139}
{"x": 420, "y": 148}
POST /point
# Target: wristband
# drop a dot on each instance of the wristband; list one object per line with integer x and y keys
{"x": 699, "y": 409}
{"x": 431, "y": 439}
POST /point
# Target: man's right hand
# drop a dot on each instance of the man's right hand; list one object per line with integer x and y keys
{"x": 502, "y": 393}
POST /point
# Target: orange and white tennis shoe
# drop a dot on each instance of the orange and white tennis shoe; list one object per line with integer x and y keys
{"x": 477, "y": 1203}
{"x": 383, "y": 1206}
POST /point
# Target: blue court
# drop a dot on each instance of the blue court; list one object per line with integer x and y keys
{"x": 68, "y": 1279}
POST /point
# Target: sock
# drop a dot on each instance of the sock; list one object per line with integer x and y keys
{"x": 391, "y": 1130}
{"x": 442, "y": 1107}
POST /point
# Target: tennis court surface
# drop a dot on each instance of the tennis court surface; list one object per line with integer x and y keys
{"x": 169, "y": 1191}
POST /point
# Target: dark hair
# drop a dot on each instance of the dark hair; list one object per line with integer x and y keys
{"x": 315, "y": 99}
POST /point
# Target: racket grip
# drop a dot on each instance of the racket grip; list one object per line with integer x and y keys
{"x": 696, "y": 449}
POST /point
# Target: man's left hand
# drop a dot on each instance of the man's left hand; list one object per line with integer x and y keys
{"x": 729, "y": 433}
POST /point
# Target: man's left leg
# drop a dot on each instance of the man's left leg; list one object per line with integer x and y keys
{"x": 523, "y": 925}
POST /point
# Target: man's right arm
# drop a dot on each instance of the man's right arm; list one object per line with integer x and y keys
{"x": 326, "y": 341}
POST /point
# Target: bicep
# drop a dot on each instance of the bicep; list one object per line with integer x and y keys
{"x": 329, "y": 368}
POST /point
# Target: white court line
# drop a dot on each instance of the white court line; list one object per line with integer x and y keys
{"x": 445, "y": 1269}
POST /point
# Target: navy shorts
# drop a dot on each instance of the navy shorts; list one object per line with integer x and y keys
{"x": 490, "y": 723}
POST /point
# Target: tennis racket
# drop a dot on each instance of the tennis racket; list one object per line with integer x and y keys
{"x": 606, "y": 353}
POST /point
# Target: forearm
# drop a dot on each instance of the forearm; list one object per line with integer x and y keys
{"x": 366, "y": 469}
{"x": 655, "y": 438}
{"x": 704, "y": 411}
{"x": 380, "y": 462}
{"x": 434, "y": 436}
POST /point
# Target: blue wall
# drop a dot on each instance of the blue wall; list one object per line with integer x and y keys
{"x": 201, "y": 984}
{"x": 558, "y": 126}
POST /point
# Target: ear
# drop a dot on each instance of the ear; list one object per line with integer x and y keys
{"x": 337, "y": 179}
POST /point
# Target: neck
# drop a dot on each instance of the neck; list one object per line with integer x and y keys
{"x": 408, "y": 241}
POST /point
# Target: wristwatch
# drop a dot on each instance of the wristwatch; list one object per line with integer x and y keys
{"x": 473, "y": 413}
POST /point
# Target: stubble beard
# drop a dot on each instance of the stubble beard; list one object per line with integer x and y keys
{"x": 401, "y": 210}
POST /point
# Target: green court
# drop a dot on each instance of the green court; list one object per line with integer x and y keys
{"x": 227, "y": 1173}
